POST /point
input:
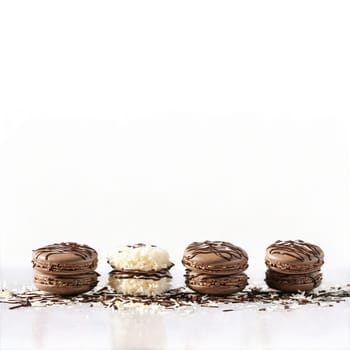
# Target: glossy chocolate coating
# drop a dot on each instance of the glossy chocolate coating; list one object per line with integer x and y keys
{"x": 216, "y": 284}
{"x": 215, "y": 257}
{"x": 294, "y": 257}
{"x": 293, "y": 282}
{"x": 65, "y": 259}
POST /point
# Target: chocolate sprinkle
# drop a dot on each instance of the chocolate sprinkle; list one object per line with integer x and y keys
{"x": 264, "y": 299}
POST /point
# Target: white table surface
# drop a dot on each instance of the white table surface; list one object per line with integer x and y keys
{"x": 84, "y": 327}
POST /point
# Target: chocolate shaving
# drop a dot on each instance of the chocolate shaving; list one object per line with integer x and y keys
{"x": 264, "y": 299}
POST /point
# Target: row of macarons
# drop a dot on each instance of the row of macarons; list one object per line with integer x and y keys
{"x": 212, "y": 267}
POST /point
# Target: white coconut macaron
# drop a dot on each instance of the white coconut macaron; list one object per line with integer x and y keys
{"x": 140, "y": 269}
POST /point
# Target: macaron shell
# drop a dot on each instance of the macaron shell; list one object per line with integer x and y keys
{"x": 293, "y": 283}
{"x": 294, "y": 257}
{"x": 65, "y": 285}
{"x": 65, "y": 259}
{"x": 215, "y": 257}
{"x": 140, "y": 257}
{"x": 63, "y": 268}
{"x": 216, "y": 285}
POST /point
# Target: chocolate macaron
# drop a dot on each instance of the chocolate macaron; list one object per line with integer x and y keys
{"x": 294, "y": 257}
{"x": 293, "y": 283}
{"x": 65, "y": 284}
{"x": 216, "y": 284}
{"x": 65, "y": 268}
{"x": 215, "y": 267}
{"x": 215, "y": 257}
{"x": 293, "y": 265}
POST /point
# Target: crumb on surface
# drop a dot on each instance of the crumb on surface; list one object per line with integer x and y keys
{"x": 262, "y": 299}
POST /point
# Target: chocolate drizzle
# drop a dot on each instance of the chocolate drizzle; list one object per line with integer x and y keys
{"x": 139, "y": 245}
{"x": 139, "y": 274}
{"x": 224, "y": 250}
{"x": 298, "y": 249}
{"x": 316, "y": 281}
{"x": 80, "y": 250}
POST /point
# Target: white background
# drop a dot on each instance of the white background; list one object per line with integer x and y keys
{"x": 169, "y": 122}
